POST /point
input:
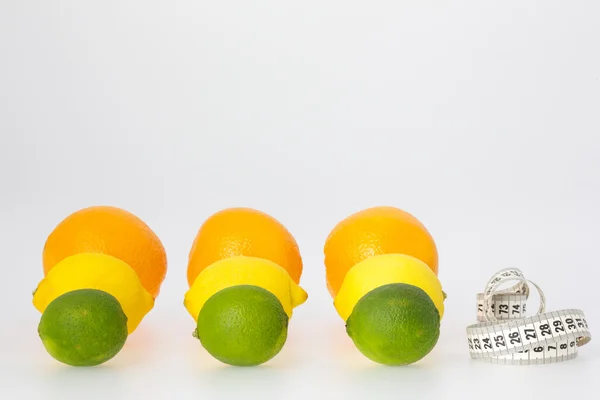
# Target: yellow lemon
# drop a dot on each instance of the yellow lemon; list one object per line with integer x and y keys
{"x": 244, "y": 270}
{"x": 101, "y": 272}
{"x": 377, "y": 271}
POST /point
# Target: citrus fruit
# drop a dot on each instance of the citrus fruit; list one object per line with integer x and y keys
{"x": 374, "y": 231}
{"x": 395, "y": 324}
{"x": 83, "y": 327}
{"x": 243, "y": 270}
{"x": 112, "y": 231}
{"x": 243, "y": 232}
{"x": 96, "y": 271}
{"x": 242, "y": 325}
{"x": 382, "y": 270}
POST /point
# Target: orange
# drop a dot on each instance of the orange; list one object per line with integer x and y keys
{"x": 371, "y": 232}
{"x": 243, "y": 232}
{"x": 112, "y": 231}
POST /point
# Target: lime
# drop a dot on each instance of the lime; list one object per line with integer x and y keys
{"x": 242, "y": 325}
{"x": 83, "y": 327}
{"x": 395, "y": 324}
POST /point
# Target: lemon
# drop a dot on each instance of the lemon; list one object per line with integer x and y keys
{"x": 243, "y": 270}
{"x": 96, "y": 271}
{"x": 384, "y": 269}
{"x": 242, "y": 325}
{"x": 84, "y": 327}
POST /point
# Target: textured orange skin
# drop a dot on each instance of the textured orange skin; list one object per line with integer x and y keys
{"x": 375, "y": 231}
{"x": 243, "y": 232}
{"x": 112, "y": 231}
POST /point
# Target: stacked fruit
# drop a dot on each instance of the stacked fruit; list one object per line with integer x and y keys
{"x": 103, "y": 269}
{"x": 382, "y": 273}
{"x": 243, "y": 271}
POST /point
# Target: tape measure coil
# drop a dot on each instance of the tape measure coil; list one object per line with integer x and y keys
{"x": 504, "y": 335}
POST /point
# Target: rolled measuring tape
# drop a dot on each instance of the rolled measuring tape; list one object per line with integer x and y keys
{"x": 505, "y": 335}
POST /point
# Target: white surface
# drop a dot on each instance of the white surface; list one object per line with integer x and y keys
{"x": 481, "y": 118}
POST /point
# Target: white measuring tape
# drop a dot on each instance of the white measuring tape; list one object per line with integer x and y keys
{"x": 505, "y": 335}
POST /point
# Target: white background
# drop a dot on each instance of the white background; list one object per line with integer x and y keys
{"x": 481, "y": 118}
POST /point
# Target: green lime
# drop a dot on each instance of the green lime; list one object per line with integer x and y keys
{"x": 83, "y": 327}
{"x": 395, "y": 324}
{"x": 242, "y": 325}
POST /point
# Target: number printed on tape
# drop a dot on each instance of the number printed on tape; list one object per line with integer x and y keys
{"x": 505, "y": 335}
